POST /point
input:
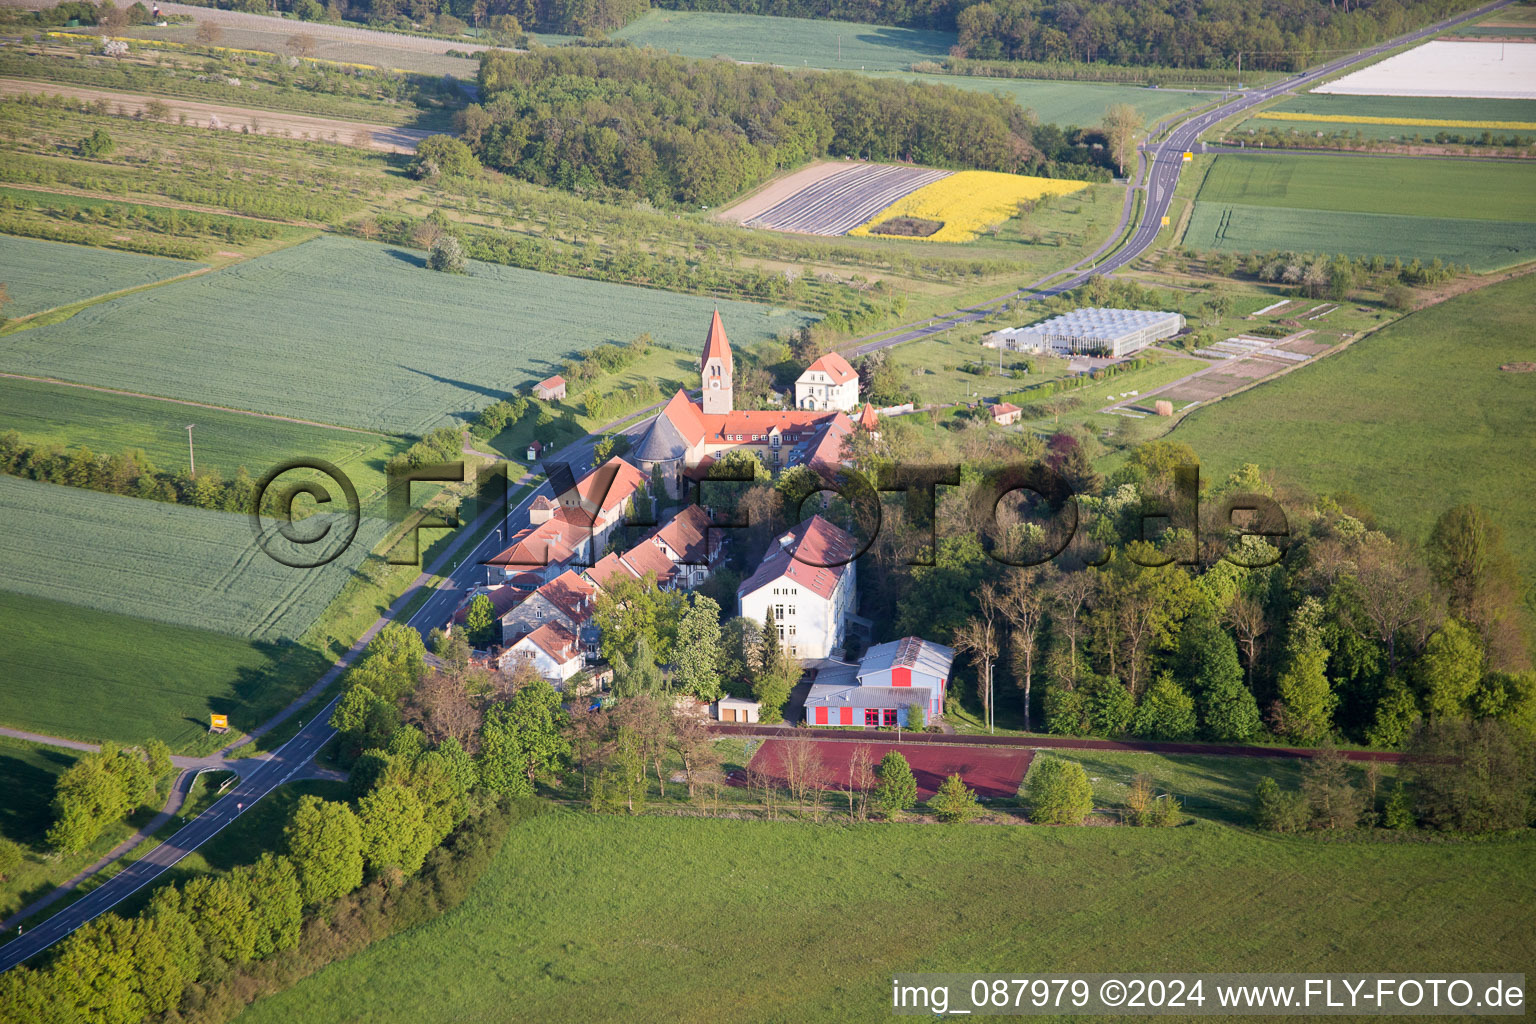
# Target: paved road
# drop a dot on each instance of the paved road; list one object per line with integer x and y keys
{"x": 1162, "y": 177}
{"x": 293, "y": 758}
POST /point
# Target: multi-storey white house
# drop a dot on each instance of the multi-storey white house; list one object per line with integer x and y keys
{"x": 829, "y": 384}
{"x": 808, "y": 580}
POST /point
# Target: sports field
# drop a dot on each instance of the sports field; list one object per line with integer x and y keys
{"x": 74, "y": 671}
{"x": 41, "y": 275}
{"x": 108, "y": 423}
{"x": 793, "y": 42}
{"x": 584, "y": 917}
{"x": 168, "y": 563}
{"x": 1413, "y": 419}
{"x": 347, "y": 332}
{"x": 1482, "y": 214}
{"x": 993, "y": 772}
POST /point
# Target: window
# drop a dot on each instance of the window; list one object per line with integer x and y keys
{"x": 778, "y": 611}
{"x": 889, "y": 715}
{"x": 871, "y": 716}
{"x": 791, "y": 611}
{"x": 794, "y": 652}
{"x": 781, "y": 632}
{"x": 791, "y": 629}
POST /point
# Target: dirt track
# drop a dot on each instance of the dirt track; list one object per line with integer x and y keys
{"x": 264, "y": 122}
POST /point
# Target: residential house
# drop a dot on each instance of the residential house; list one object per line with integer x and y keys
{"x": 554, "y": 651}
{"x": 808, "y": 579}
{"x": 568, "y": 601}
{"x": 1005, "y": 413}
{"x": 828, "y": 383}
{"x": 551, "y": 389}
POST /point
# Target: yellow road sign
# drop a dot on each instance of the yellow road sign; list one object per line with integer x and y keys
{"x": 1165, "y": 222}
{"x": 1188, "y": 157}
{"x": 218, "y": 721}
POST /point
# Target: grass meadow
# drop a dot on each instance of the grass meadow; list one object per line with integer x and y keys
{"x": 1446, "y": 108}
{"x": 1074, "y": 103}
{"x": 87, "y": 674}
{"x": 40, "y": 275}
{"x": 1412, "y": 419}
{"x": 792, "y": 42}
{"x": 362, "y": 335}
{"x": 683, "y": 919}
{"x": 167, "y": 563}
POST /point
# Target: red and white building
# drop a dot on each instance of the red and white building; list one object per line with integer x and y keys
{"x": 681, "y": 554}
{"x": 554, "y": 651}
{"x": 686, "y": 436}
{"x": 551, "y": 389}
{"x": 808, "y": 579}
{"x": 882, "y": 689}
{"x": 575, "y": 525}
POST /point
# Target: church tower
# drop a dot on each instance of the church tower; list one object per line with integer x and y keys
{"x": 716, "y": 369}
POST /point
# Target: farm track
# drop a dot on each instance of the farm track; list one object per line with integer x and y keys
{"x": 259, "y": 122}
{"x": 839, "y": 203}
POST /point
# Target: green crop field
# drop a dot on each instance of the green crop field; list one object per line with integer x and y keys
{"x": 1413, "y": 419}
{"x": 1435, "y": 107}
{"x": 1502, "y": 191}
{"x": 586, "y": 918}
{"x": 1075, "y": 103}
{"x": 169, "y": 563}
{"x": 348, "y": 332}
{"x": 1484, "y": 245}
{"x": 74, "y": 671}
{"x": 104, "y": 422}
{"x": 41, "y": 275}
{"x": 793, "y": 42}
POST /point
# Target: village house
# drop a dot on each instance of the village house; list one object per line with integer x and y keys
{"x": 568, "y": 601}
{"x": 1005, "y": 413}
{"x": 552, "y": 649}
{"x": 551, "y": 389}
{"x": 808, "y": 580}
{"x": 828, "y": 383}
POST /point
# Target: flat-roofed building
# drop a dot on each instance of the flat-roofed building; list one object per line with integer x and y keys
{"x": 1111, "y": 332}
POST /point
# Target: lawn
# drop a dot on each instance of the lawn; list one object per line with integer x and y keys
{"x": 77, "y": 672}
{"x": 1484, "y": 245}
{"x": 1413, "y": 419}
{"x": 587, "y": 918}
{"x": 1075, "y": 103}
{"x": 1499, "y": 191}
{"x": 792, "y": 42}
{"x": 341, "y": 331}
{"x": 63, "y": 414}
{"x": 41, "y": 275}
{"x": 167, "y": 563}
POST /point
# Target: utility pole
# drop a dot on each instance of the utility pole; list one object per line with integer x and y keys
{"x": 191, "y": 457}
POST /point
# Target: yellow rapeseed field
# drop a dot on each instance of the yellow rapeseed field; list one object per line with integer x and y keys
{"x": 1412, "y": 122}
{"x": 968, "y": 201}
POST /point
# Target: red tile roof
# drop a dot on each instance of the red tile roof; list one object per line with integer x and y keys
{"x": 834, "y": 366}
{"x": 804, "y": 556}
{"x": 546, "y": 544}
{"x": 868, "y": 419}
{"x": 687, "y": 535}
{"x": 554, "y": 640}
{"x": 503, "y": 599}
{"x": 716, "y": 344}
{"x": 549, "y": 383}
{"x": 570, "y": 593}
{"x": 608, "y": 486}
{"x": 1002, "y": 409}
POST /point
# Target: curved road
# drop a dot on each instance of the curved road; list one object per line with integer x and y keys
{"x": 293, "y": 757}
{"x": 1163, "y": 175}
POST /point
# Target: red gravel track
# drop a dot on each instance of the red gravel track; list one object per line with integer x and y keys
{"x": 990, "y": 772}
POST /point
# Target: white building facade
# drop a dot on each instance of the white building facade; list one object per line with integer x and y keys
{"x": 809, "y": 581}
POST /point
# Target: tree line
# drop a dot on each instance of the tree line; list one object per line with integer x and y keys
{"x": 673, "y": 130}
{"x": 1139, "y": 627}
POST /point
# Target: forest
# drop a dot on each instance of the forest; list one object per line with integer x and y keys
{"x": 673, "y": 130}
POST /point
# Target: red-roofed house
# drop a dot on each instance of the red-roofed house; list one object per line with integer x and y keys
{"x": 602, "y": 496}
{"x": 504, "y": 597}
{"x": 550, "y": 390}
{"x": 828, "y": 383}
{"x": 546, "y": 547}
{"x": 808, "y": 579}
{"x": 553, "y": 650}
{"x": 1004, "y": 413}
{"x": 568, "y": 599}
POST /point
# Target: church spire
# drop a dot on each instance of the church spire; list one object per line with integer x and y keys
{"x": 716, "y": 369}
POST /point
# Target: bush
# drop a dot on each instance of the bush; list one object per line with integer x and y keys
{"x": 10, "y": 857}
{"x": 917, "y": 720}
{"x": 97, "y": 144}
{"x": 896, "y": 788}
{"x": 1398, "y": 813}
{"x": 1059, "y": 792}
{"x": 1275, "y": 810}
{"x": 445, "y": 155}
{"x": 955, "y": 802}
{"x": 447, "y": 255}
